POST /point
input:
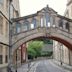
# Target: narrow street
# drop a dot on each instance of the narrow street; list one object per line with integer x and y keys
{"x": 43, "y": 66}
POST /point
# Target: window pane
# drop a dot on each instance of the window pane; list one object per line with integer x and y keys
{"x": 18, "y": 28}
{"x": 1, "y": 59}
{"x": 48, "y": 24}
{"x": 67, "y": 26}
{"x": 6, "y": 58}
{"x": 60, "y": 23}
{"x": 32, "y": 26}
{"x": 26, "y": 24}
{"x": 7, "y": 6}
{"x": 1, "y": 25}
{"x": 1, "y": 48}
{"x": 34, "y": 22}
{"x": 6, "y": 49}
{"x": 47, "y": 19}
{"x": 7, "y": 28}
{"x": 41, "y": 22}
{"x": 24, "y": 28}
{"x": 11, "y": 12}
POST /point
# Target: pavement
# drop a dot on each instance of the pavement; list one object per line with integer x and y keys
{"x": 25, "y": 67}
{"x": 42, "y": 66}
{"x": 66, "y": 66}
{"x": 47, "y": 66}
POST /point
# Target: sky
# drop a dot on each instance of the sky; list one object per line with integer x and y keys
{"x": 28, "y": 7}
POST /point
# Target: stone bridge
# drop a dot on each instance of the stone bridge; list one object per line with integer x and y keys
{"x": 45, "y": 23}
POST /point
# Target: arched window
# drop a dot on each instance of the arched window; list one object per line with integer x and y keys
{"x": 47, "y": 20}
{"x": 67, "y": 26}
{"x": 1, "y": 56}
{"x": 41, "y": 21}
{"x": 1, "y": 25}
{"x": 60, "y": 23}
{"x": 7, "y": 28}
{"x": 18, "y": 27}
{"x": 25, "y": 26}
{"x": 33, "y": 24}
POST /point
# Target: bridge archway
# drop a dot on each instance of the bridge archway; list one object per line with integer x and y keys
{"x": 52, "y": 33}
{"x": 64, "y": 42}
{"x": 48, "y": 24}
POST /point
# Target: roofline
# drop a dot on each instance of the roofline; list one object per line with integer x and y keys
{"x": 24, "y": 17}
{"x": 63, "y": 17}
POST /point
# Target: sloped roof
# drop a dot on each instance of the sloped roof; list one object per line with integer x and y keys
{"x": 47, "y": 8}
{"x": 63, "y": 17}
{"x": 35, "y": 14}
{"x": 24, "y": 17}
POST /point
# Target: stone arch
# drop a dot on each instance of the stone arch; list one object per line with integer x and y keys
{"x": 66, "y": 43}
{"x": 63, "y": 41}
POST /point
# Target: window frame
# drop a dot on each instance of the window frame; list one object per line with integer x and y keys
{"x": 67, "y": 25}
{"x": 60, "y": 23}
{"x": 1, "y": 25}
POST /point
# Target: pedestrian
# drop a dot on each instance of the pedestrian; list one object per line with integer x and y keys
{"x": 61, "y": 63}
{"x": 9, "y": 69}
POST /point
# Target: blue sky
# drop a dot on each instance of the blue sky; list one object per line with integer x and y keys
{"x": 32, "y": 6}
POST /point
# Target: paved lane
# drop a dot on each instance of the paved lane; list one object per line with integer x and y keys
{"x": 42, "y": 66}
{"x": 48, "y": 66}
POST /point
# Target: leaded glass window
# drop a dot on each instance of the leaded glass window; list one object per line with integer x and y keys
{"x": 47, "y": 20}
{"x": 18, "y": 27}
{"x": 41, "y": 22}
{"x": 1, "y": 25}
{"x": 33, "y": 25}
{"x": 67, "y": 26}
{"x": 1, "y": 59}
{"x": 60, "y": 23}
{"x": 25, "y": 26}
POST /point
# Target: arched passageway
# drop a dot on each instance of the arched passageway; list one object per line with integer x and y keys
{"x": 46, "y": 23}
{"x": 67, "y": 44}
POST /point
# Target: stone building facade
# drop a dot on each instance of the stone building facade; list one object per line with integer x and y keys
{"x": 61, "y": 52}
{"x": 4, "y": 29}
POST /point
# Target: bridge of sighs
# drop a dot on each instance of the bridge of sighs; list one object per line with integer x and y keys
{"x": 45, "y": 23}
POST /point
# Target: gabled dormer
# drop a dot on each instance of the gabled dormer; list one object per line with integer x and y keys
{"x": 47, "y": 9}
